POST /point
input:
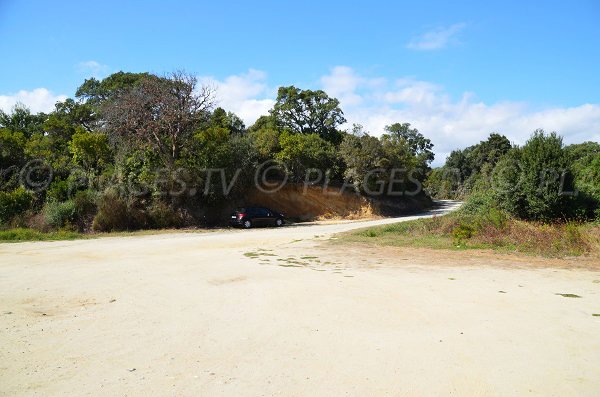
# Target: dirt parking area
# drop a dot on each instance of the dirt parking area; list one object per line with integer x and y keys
{"x": 287, "y": 312}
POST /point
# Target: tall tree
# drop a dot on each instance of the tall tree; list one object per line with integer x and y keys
{"x": 162, "y": 112}
{"x": 95, "y": 92}
{"x": 418, "y": 144}
{"x": 22, "y": 120}
{"x": 308, "y": 112}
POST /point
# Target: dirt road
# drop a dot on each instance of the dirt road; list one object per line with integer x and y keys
{"x": 285, "y": 312}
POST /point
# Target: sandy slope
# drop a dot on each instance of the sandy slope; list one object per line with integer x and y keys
{"x": 217, "y": 314}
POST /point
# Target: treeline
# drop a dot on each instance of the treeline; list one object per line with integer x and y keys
{"x": 137, "y": 150}
{"x": 543, "y": 180}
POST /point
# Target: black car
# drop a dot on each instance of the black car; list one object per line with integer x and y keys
{"x": 248, "y": 217}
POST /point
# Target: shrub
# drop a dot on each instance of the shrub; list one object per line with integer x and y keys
{"x": 59, "y": 214}
{"x": 14, "y": 203}
{"x": 478, "y": 203}
{"x": 58, "y": 191}
{"x": 461, "y": 233}
{"x": 530, "y": 181}
{"x": 495, "y": 218}
{"x": 162, "y": 216}
{"x": 112, "y": 214}
{"x": 85, "y": 208}
{"x": 370, "y": 233}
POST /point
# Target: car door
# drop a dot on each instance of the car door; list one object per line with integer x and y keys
{"x": 262, "y": 215}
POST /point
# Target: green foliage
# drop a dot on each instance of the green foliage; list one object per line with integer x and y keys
{"x": 301, "y": 152}
{"x": 12, "y": 148}
{"x": 216, "y": 148}
{"x": 542, "y": 163}
{"x": 478, "y": 203}
{"x": 90, "y": 150}
{"x": 265, "y": 141}
{"x": 469, "y": 169}
{"x": 480, "y": 230}
{"x": 53, "y": 150}
{"x": 59, "y": 190}
{"x": 584, "y": 161}
{"x": 22, "y": 234}
{"x": 116, "y": 213}
{"x": 153, "y": 141}
{"x": 308, "y": 112}
{"x": 60, "y": 214}
{"x": 163, "y": 216}
{"x": 21, "y": 120}
{"x": 95, "y": 92}
{"x": 531, "y": 182}
{"x": 461, "y": 233}
{"x": 227, "y": 120}
{"x": 113, "y": 214}
{"x": 14, "y": 203}
{"x": 361, "y": 154}
{"x": 85, "y": 208}
{"x": 420, "y": 146}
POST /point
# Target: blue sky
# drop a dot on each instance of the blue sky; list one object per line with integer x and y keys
{"x": 435, "y": 64}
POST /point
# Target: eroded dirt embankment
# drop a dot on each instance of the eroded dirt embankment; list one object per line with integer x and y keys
{"x": 317, "y": 202}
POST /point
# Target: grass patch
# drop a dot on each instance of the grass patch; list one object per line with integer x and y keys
{"x": 25, "y": 234}
{"x": 490, "y": 229}
{"x": 258, "y": 253}
{"x": 569, "y": 295}
{"x": 20, "y": 234}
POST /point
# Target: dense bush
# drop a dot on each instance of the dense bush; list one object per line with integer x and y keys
{"x": 468, "y": 170}
{"x": 113, "y": 214}
{"x": 540, "y": 181}
{"x": 14, "y": 203}
{"x": 60, "y": 214}
{"x": 536, "y": 186}
{"x": 301, "y": 152}
{"x": 163, "y": 216}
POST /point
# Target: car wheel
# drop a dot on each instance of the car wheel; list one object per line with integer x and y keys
{"x": 247, "y": 224}
{"x": 279, "y": 222}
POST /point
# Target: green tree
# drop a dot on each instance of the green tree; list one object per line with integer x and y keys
{"x": 14, "y": 203}
{"x": 20, "y": 119}
{"x": 533, "y": 181}
{"x": 95, "y": 92}
{"x": 301, "y": 152}
{"x": 90, "y": 150}
{"x": 361, "y": 155}
{"x": 584, "y": 160}
{"x": 308, "y": 112}
{"x": 12, "y": 148}
{"x": 420, "y": 146}
{"x": 228, "y": 120}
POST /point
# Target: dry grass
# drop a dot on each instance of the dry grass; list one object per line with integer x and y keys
{"x": 491, "y": 231}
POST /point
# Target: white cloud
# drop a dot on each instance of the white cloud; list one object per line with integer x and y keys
{"x": 93, "y": 69}
{"x": 37, "y": 100}
{"x": 452, "y": 123}
{"x": 342, "y": 84}
{"x": 435, "y": 39}
{"x": 247, "y": 94}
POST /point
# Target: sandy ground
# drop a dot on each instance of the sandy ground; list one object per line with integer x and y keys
{"x": 287, "y": 312}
